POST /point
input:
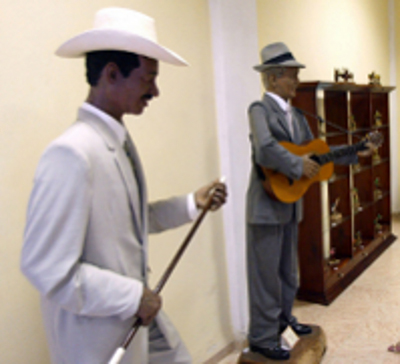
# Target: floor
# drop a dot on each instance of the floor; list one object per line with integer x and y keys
{"x": 365, "y": 319}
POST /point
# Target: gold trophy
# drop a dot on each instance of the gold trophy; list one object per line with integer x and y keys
{"x": 356, "y": 167}
{"x": 378, "y": 225}
{"x": 352, "y": 123}
{"x": 374, "y": 79}
{"x": 376, "y": 158}
{"x": 378, "y": 118}
{"x": 336, "y": 216}
{"x": 357, "y": 241}
{"x": 356, "y": 200}
{"x": 377, "y": 190}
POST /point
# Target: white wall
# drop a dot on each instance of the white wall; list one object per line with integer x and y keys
{"x": 234, "y": 26}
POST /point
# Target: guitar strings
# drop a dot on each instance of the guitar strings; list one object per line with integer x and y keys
{"x": 321, "y": 120}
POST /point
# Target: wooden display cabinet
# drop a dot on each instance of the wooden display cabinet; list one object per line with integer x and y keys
{"x": 332, "y": 254}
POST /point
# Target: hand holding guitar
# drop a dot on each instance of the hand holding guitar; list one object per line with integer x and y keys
{"x": 317, "y": 166}
{"x": 373, "y": 141}
{"x": 310, "y": 167}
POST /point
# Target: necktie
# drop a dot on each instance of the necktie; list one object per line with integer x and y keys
{"x": 130, "y": 156}
{"x": 129, "y": 150}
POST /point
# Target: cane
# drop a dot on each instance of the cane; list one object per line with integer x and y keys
{"x": 119, "y": 353}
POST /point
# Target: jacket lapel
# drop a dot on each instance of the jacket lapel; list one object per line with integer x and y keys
{"x": 271, "y": 104}
{"x": 135, "y": 187}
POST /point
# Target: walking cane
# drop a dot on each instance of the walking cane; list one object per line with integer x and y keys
{"x": 119, "y": 353}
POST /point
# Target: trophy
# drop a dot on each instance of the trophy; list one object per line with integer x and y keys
{"x": 352, "y": 123}
{"x": 378, "y": 225}
{"x": 336, "y": 216}
{"x": 357, "y": 241}
{"x": 374, "y": 79}
{"x": 378, "y": 118}
{"x": 356, "y": 167}
{"x": 356, "y": 200}
{"x": 333, "y": 261}
{"x": 343, "y": 74}
{"x": 376, "y": 158}
{"x": 377, "y": 190}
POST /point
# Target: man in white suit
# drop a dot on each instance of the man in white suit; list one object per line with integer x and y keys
{"x": 85, "y": 243}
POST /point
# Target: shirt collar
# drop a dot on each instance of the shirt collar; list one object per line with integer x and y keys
{"x": 281, "y": 102}
{"x": 117, "y": 127}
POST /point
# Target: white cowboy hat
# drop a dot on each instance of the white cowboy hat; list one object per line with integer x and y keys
{"x": 121, "y": 30}
{"x": 275, "y": 55}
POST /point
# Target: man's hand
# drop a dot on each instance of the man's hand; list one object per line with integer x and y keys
{"x": 368, "y": 152}
{"x": 310, "y": 167}
{"x": 149, "y": 306}
{"x": 220, "y": 195}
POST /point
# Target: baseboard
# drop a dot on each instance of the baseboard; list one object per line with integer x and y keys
{"x": 220, "y": 355}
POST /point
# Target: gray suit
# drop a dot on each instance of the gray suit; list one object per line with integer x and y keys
{"x": 85, "y": 245}
{"x": 272, "y": 225}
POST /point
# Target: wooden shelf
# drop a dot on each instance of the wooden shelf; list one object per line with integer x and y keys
{"x": 330, "y": 255}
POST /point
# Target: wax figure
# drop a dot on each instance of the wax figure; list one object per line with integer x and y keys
{"x": 271, "y": 225}
{"x": 85, "y": 243}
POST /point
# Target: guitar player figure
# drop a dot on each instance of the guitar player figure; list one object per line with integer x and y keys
{"x": 272, "y": 225}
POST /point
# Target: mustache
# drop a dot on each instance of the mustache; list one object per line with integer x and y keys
{"x": 147, "y": 96}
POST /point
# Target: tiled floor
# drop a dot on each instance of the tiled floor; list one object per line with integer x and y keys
{"x": 362, "y": 322}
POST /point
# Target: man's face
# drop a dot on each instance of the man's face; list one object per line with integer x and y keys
{"x": 139, "y": 87}
{"x": 285, "y": 86}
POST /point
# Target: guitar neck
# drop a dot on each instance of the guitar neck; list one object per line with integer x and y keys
{"x": 322, "y": 159}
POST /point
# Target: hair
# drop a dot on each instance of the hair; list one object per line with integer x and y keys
{"x": 276, "y": 72}
{"x": 97, "y": 60}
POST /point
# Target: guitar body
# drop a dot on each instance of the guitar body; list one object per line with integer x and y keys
{"x": 287, "y": 190}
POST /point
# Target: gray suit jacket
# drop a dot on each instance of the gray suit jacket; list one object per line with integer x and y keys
{"x": 268, "y": 127}
{"x": 85, "y": 244}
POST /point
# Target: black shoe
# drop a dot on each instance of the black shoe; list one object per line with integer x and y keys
{"x": 276, "y": 353}
{"x": 301, "y": 329}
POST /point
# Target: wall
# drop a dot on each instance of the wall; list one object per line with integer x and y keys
{"x": 177, "y": 138}
{"x": 326, "y": 35}
{"x": 234, "y": 30}
{"x": 183, "y": 138}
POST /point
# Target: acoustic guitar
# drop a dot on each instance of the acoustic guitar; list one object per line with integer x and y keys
{"x": 287, "y": 190}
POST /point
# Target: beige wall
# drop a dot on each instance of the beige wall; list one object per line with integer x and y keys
{"x": 39, "y": 95}
{"x": 329, "y": 34}
{"x": 177, "y": 136}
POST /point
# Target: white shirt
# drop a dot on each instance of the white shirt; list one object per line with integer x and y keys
{"x": 285, "y": 106}
{"x": 121, "y": 132}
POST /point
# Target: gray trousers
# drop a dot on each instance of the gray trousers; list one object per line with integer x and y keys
{"x": 160, "y": 352}
{"x": 272, "y": 280}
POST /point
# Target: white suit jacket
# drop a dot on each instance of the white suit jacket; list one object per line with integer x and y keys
{"x": 85, "y": 244}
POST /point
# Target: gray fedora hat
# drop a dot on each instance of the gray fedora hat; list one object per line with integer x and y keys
{"x": 275, "y": 55}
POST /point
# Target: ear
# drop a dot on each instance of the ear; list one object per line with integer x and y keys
{"x": 111, "y": 73}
